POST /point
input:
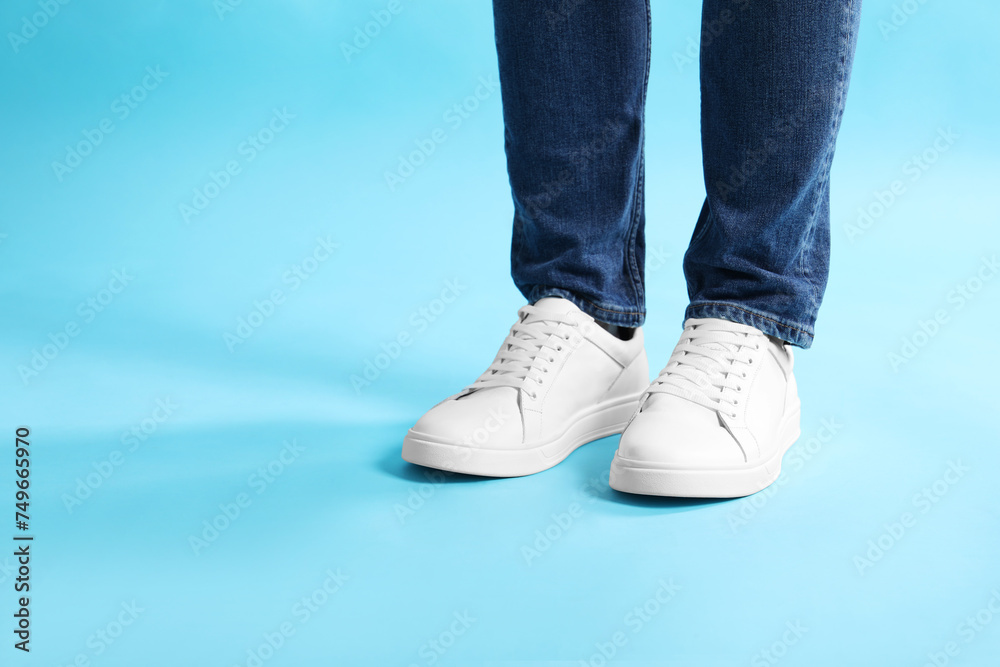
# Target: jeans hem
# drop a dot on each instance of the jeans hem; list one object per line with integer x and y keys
{"x": 609, "y": 315}
{"x": 796, "y": 334}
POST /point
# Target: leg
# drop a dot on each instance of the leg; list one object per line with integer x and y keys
{"x": 573, "y": 80}
{"x": 774, "y": 75}
{"x": 721, "y": 415}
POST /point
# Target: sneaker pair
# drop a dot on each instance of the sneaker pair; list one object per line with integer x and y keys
{"x": 714, "y": 424}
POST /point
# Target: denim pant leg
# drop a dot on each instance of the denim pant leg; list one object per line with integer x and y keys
{"x": 774, "y": 75}
{"x": 573, "y": 77}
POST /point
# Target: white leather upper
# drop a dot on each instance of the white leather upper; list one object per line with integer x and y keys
{"x": 751, "y": 385}
{"x": 564, "y": 363}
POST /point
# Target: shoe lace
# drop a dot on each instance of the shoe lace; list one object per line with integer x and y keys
{"x": 710, "y": 364}
{"x": 527, "y": 354}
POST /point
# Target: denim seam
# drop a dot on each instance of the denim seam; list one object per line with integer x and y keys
{"x": 751, "y": 312}
{"x": 637, "y": 286}
{"x": 542, "y": 288}
{"x": 701, "y": 230}
{"x": 824, "y": 184}
{"x": 517, "y": 242}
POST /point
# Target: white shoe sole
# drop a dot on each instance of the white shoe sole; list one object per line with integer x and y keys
{"x": 599, "y": 421}
{"x": 650, "y": 479}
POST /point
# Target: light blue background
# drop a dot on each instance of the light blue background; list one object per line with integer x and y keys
{"x": 745, "y": 568}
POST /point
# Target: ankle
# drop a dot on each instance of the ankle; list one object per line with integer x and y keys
{"x": 621, "y": 333}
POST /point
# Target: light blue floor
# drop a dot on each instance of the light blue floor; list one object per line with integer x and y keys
{"x": 879, "y": 546}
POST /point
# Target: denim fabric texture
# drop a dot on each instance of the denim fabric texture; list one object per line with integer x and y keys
{"x": 774, "y": 77}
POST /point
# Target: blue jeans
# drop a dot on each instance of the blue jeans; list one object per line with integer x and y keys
{"x": 774, "y": 75}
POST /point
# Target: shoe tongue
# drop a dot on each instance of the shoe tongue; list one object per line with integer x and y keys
{"x": 717, "y": 346}
{"x": 681, "y": 408}
{"x": 553, "y": 309}
{"x": 711, "y": 324}
{"x": 553, "y": 305}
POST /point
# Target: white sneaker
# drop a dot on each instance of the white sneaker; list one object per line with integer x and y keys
{"x": 558, "y": 382}
{"x": 717, "y": 420}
